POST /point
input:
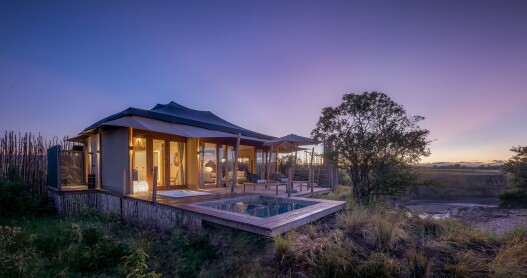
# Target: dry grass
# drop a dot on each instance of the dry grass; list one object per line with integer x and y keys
{"x": 376, "y": 241}
{"x": 511, "y": 260}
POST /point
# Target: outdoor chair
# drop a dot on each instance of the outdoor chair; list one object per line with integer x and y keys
{"x": 255, "y": 180}
{"x": 279, "y": 177}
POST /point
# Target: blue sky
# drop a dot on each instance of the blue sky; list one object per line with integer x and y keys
{"x": 270, "y": 66}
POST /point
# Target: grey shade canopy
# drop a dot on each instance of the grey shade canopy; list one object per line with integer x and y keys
{"x": 175, "y": 113}
{"x": 290, "y": 142}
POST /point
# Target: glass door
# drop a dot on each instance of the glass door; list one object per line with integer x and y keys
{"x": 159, "y": 160}
{"x": 139, "y": 168}
{"x": 177, "y": 163}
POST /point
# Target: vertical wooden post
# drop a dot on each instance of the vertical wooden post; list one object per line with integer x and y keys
{"x": 235, "y": 170}
{"x": 201, "y": 168}
{"x": 166, "y": 166}
{"x": 149, "y": 145}
{"x": 130, "y": 189}
{"x": 226, "y": 156}
{"x": 125, "y": 174}
{"x": 294, "y": 168}
{"x": 154, "y": 186}
{"x": 268, "y": 164}
{"x": 290, "y": 182}
{"x": 59, "y": 168}
{"x": 308, "y": 178}
{"x": 311, "y": 171}
{"x": 99, "y": 160}
{"x": 276, "y": 160}
{"x": 312, "y": 174}
{"x": 218, "y": 161}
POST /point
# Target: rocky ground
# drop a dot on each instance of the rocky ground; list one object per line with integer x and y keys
{"x": 491, "y": 219}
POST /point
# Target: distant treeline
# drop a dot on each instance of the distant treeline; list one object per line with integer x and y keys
{"x": 461, "y": 166}
{"x": 23, "y": 158}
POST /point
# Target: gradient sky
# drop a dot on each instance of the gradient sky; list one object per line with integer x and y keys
{"x": 270, "y": 66}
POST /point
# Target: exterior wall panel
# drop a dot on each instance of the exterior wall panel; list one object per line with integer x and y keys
{"x": 114, "y": 155}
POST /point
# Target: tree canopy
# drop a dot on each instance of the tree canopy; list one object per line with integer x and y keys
{"x": 375, "y": 141}
{"x": 516, "y": 166}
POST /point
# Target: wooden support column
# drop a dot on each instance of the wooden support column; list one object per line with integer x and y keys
{"x": 201, "y": 167}
{"x": 276, "y": 160}
{"x": 130, "y": 161}
{"x": 226, "y": 155}
{"x": 311, "y": 171}
{"x": 166, "y": 165}
{"x": 99, "y": 160}
{"x": 154, "y": 186}
{"x": 150, "y": 163}
{"x": 312, "y": 175}
{"x": 289, "y": 186}
{"x": 268, "y": 161}
{"x": 218, "y": 167}
{"x": 235, "y": 170}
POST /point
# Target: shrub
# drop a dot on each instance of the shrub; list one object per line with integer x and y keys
{"x": 511, "y": 260}
{"x": 135, "y": 265}
{"x": 380, "y": 265}
{"x": 283, "y": 245}
{"x": 468, "y": 264}
{"x": 513, "y": 198}
{"x": 335, "y": 260}
{"x": 383, "y": 231}
{"x": 18, "y": 199}
{"x": 16, "y": 252}
{"x": 419, "y": 265}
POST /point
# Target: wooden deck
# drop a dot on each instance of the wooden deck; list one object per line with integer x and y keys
{"x": 190, "y": 207}
{"x": 269, "y": 226}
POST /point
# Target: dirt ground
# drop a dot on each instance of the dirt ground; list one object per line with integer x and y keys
{"x": 491, "y": 219}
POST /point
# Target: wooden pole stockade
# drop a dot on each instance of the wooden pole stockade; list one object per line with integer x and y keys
{"x": 24, "y": 156}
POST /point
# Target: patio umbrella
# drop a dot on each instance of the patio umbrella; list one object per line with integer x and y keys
{"x": 291, "y": 141}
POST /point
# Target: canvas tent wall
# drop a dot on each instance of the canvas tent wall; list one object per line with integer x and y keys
{"x": 115, "y": 161}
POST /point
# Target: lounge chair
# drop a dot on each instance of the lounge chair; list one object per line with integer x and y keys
{"x": 279, "y": 177}
{"x": 255, "y": 180}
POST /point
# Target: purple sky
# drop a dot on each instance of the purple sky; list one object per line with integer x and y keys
{"x": 270, "y": 66}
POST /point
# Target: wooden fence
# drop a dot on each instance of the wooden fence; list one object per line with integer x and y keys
{"x": 129, "y": 209}
{"x": 23, "y": 156}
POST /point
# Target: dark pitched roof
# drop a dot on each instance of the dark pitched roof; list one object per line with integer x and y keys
{"x": 179, "y": 114}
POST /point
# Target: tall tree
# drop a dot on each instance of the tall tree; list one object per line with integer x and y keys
{"x": 375, "y": 141}
{"x": 516, "y": 166}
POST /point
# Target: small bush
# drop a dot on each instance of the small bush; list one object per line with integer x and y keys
{"x": 511, "y": 260}
{"x": 380, "y": 265}
{"x": 430, "y": 227}
{"x": 16, "y": 199}
{"x": 16, "y": 252}
{"x": 335, "y": 260}
{"x": 283, "y": 245}
{"x": 419, "y": 265}
{"x": 468, "y": 264}
{"x": 383, "y": 231}
{"x": 135, "y": 265}
{"x": 513, "y": 198}
{"x": 353, "y": 220}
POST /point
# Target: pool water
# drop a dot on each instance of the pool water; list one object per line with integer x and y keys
{"x": 260, "y": 207}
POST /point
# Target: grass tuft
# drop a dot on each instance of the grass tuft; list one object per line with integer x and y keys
{"x": 511, "y": 260}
